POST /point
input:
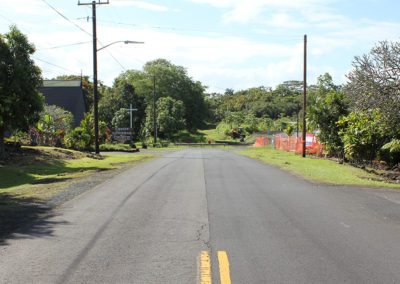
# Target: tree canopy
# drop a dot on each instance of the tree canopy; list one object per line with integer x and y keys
{"x": 20, "y": 79}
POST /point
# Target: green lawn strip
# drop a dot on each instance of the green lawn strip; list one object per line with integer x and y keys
{"x": 213, "y": 135}
{"x": 169, "y": 148}
{"x": 316, "y": 169}
{"x": 117, "y": 147}
{"x": 52, "y": 170}
{"x": 28, "y": 182}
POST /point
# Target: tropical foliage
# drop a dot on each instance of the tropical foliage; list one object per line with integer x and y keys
{"x": 20, "y": 78}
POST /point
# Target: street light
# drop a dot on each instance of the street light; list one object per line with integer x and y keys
{"x": 124, "y": 41}
{"x": 95, "y": 95}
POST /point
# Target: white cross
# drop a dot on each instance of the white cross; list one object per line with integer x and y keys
{"x": 130, "y": 109}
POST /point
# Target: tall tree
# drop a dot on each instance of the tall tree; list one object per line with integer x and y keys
{"x": 20, "y": 78}
{"x": 374, "y": 82}
{"x": 120, "y": 96}
{"x": 169, "y": 116}
{"x": 326, "y": 106}
{"x": 173, "y": 81}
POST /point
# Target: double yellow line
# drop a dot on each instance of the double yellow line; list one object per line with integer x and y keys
{"x": 205, "y": 276}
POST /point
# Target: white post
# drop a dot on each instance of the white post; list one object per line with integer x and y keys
{"x": 130, "y": 106}
{"x": 130, "y": 109}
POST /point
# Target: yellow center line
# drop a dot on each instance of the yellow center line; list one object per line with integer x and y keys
{"x": 224, "y": 273}
{"x": 205, "y": 268}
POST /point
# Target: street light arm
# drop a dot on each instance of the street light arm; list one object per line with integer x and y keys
{"x": 124, "y": 41}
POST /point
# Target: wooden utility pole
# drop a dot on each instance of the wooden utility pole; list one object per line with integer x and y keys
{"x": 154, "y": 110}
{"x": 95, "y": 93}
{"x": 304, "y": 95}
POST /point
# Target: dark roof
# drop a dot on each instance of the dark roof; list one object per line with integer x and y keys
{"x": 65, "y": 94}
{"x": 62, "y": 83}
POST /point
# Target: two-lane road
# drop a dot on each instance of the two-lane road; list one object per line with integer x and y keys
{"x": 202, "y": 214}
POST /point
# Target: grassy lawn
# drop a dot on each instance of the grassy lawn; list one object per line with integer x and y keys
{"x": 34, "y": 175}
{"x": 213, "y": 135}
{"x": 44, "y": 169}
{"x": 315, "y": 169}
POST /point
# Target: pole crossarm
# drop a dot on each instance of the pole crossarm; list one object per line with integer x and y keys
{"x": 98, "y": 2}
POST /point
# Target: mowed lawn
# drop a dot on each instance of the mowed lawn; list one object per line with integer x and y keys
{"x": 317, "y": 169}
{"x": 41, "y": 166}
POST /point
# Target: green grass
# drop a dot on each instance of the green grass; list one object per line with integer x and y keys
{"x": 213, "y": 135}
{"x": 117, "y": 147}
{"x": 34, "y": 176}
{"x": 315, "y": 169}
{"x": 49, "y": 168}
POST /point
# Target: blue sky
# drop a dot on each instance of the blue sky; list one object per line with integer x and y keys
{"x": 223, "y": 43}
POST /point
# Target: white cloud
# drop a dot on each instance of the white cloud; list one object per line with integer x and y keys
{"x": 284, "y": 20}
{"x": 242, "y": 11}
{"x": 141, "y": 4}
{"x": 27, "y": 7}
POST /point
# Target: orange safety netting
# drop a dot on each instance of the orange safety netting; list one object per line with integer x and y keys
{"x": 261, "y": 141}
{"x": 295, "y": 144}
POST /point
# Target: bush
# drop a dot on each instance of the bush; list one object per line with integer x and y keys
{"x": 117, "y": 147}
{"x": 390, "y": 152}
{"x": 77, "y": 139}
{"x": 363, "y": 134}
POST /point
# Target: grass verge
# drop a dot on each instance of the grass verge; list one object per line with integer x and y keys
{"x": 39, "y": 171}
{"x": 35, "y": 175}
{"x": 317, "y": 170}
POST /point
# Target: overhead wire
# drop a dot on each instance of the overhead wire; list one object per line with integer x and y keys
{"x": 216, "y": 32}
{"x": 65, "y": 45}
{"x": 83, "y": 30}
{"x": 66, "y": 18}
{"x": 52, "y": 64}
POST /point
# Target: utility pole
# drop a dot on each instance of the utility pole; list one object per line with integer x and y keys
{"x": 154, "y": 110}
{"x": 304, "y": 96}
{"x": 95, "y": 94}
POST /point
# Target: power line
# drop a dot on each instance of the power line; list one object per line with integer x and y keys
{"x": 83, "y": 30}
{"x": 65, "y": 45}
{"x": 217, "y": 32}
{"x": 52, "y": 64}
{"x": 66, "y": 18}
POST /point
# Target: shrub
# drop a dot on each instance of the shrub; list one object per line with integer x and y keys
{"x": 77, "y": 139}
{"x": 363, "y": 134}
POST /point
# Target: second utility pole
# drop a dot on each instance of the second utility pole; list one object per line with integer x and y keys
{"x": 154, "y": 110}
{"x": 95, "y": 93}
{"x": 304, "y": 96}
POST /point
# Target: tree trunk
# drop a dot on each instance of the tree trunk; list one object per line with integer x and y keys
{"x": 2, "y": 148}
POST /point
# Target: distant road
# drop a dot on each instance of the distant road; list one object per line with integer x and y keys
{"x": 198, "y": 215}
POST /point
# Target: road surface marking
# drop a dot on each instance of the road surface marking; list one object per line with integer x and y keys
{"x": 224, "y": 272}
{"x": 205, "y": 268}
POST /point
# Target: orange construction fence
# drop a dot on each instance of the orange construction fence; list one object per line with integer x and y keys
{"x": 261, "y": 141}
{"x": 295, "y": 144}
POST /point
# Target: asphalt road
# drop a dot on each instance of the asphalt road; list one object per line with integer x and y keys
{"x": 166, "y": 221}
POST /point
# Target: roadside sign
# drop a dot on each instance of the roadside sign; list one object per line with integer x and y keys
{"x": 122, "y": 134}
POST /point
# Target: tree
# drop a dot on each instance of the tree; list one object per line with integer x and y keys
{"x": 326, "y": 106}
{"x": 121, "y": 118}
{"x": 363, "y": 135}
{"x": 170, "y": 117}
{"x": 20, "y": 78}
{"x": 120, "y": 96}
{"x": 173, "y": 81}
{"x": 374, "y": 82}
